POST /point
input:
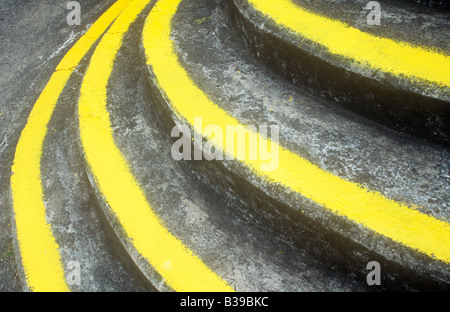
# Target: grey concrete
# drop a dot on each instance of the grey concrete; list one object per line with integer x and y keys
{"x": 440, "y": 4}
{"x": 400, "y": 20}
{"x": 338, "y": 141}
{"x": 78, "y": 226}
{"x": 251, "y": 252}
{"x": 35, "y": 36}
{"x": 247, "y": 232}
{"x": 415, "y": 107}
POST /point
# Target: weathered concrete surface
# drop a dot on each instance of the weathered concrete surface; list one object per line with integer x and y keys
{"x": 247, "y": 233}
{"x": 338, "y": 141}
{"x": 72, "y": 208}
{"x": 35, "y": 36}
{"x": 399, "y": 20}
{"x": 27, "y": 59}
{"x": 440, "y": 4}
{"x": 250, "y": 250}
{"x": 405, "y": 105}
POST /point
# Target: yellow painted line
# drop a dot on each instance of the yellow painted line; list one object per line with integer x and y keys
{"x": 38, "y": 248}
{"x": 390, "y": 56}
{"x": 180, "y": 268}
{"x": 370, "y": 209}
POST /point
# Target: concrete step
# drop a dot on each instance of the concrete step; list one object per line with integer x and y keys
{"x": 208, "y": 215}
{"x": 100, "y": 201}
{"x": 375, "y": 70}
{"x": 91, "y": 259}
{"x": 210, "y": 219}
{"x": 209, "y": 74}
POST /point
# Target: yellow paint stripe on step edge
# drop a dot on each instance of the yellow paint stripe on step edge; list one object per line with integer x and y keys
{"x": 370, "y": 209}
{"x": 388, "y": 55}
{"x": 179, "y": 267}
{"x": 38, "y": 248}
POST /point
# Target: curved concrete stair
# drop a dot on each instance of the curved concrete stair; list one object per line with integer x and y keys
{"x": 219, "y": 66}
{"x": 132, "y": 218}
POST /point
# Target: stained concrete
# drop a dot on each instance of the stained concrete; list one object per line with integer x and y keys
{"x": 341, "y": 142}
{"x": 410, "y": 106}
